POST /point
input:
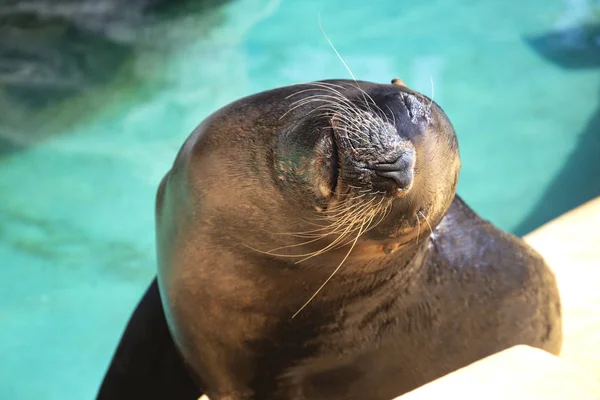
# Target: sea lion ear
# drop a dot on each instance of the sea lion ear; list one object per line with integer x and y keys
{"x": 398, "y": 82}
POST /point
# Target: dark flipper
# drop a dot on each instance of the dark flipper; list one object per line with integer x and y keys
{"x": 146, "y": 364}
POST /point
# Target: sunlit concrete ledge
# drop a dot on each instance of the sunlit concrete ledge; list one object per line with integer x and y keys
{"x": 520, "y": 372}
{"x": 571, "y": 246}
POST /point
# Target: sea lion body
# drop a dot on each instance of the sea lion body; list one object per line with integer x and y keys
{"x": 422, "y": 285}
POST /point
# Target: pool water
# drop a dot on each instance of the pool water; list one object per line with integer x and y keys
{"x": 519, "y": 81}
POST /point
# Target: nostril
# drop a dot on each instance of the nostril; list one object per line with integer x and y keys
{"x": 401, "y": 171}
{"x": 403, "y": 179}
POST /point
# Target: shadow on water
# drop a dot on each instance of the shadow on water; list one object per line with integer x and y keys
{"x": 62, "y": 60}
{"x": 579, "y": 179}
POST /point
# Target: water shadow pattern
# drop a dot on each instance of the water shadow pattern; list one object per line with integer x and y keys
{"x": 54, "y": 52}
{"x": 579, "y": 179}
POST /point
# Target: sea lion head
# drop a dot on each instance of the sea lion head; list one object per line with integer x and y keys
{"x": 315, "y": 167}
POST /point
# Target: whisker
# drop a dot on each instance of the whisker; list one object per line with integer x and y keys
{"x": 330, "y": 276}
{"x": 393, "y": 116}
{"x": 418, "y": 226}
{"x": 333, "y": 91}
{"x": 427, "y": 221}
{"x": 341, "y": 59}
{"x": 432, "y": 94}
{"x": 346, "y": 225}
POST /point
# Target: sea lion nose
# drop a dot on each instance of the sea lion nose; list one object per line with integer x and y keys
{"x": 401, "y": 170}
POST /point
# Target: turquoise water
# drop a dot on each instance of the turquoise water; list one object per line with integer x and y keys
{"x": 76, "y": 209}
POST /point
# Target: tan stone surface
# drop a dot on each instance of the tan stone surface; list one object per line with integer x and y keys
{"x": 571, "y": 246}
{"x": 520, "y": 372}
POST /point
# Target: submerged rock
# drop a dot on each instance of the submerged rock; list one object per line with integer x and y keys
{"x": 52, "y": 51}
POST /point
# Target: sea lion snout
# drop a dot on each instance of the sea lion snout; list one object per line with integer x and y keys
{"x": 378, "y": 149}
{"x": 374, "y": 154}
{"x": 363, "y": 153}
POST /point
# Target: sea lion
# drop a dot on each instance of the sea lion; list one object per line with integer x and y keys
{"x": 311, "y": 246}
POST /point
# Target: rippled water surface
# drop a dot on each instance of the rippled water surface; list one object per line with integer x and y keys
{"x": 95, "y": 102}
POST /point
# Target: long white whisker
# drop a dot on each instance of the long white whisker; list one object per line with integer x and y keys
{"x": 330, "y": 276}
{"x": 432, "y": 94}
{"x": 427, "y": 221}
